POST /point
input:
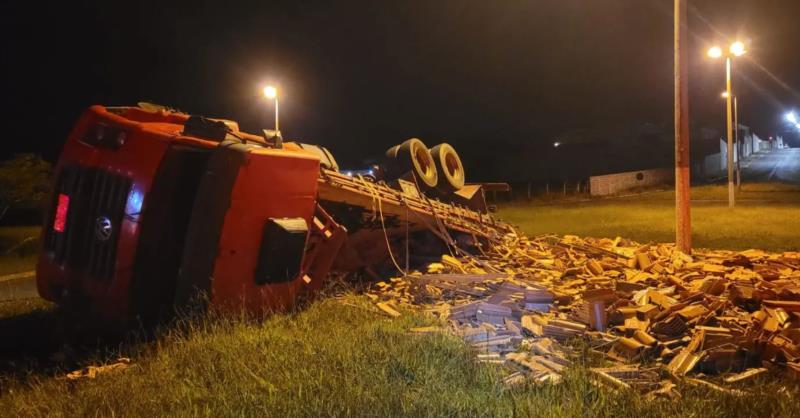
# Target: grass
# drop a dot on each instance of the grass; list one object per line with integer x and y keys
{"x": 343, "y": 358}
{"x": 337, "y": 359}
{"x": 766, "y": 217}
{"x": 15, "y": 255}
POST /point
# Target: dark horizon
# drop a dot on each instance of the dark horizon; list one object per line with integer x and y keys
{"x": 499, "y": 82}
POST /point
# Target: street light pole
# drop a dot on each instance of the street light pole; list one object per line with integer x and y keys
{"x": 737, "y": 49}
{"x": 272, "y": 93}
{"x": 277, "y": 116}
{"x": 729, "y": 100}
{"x": 683, "y": 228}
{"x": 738, "y": 144}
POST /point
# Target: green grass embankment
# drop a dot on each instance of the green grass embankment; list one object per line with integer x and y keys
{"x": 766, "y": 217}
{"x": 341, "y": 358}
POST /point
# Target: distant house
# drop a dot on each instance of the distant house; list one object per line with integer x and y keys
{"x": 712, "y": 153}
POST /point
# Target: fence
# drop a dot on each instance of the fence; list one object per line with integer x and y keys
{"x": 614, "y": 183}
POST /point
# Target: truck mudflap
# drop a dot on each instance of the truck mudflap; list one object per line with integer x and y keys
{"x": 256, "y": 238}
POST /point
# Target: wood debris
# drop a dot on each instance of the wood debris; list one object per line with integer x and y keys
{"x": 386, "y": 308}
{"x": 628, "y": 378}
{"x": 91, "y": 372}
{"x": 714, "y": 312}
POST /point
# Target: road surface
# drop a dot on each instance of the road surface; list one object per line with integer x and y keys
{"x": 779, "y": 166}
{"x": 17, "y": 286}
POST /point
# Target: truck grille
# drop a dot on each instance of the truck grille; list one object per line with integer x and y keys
{"x": 89, "y": 241}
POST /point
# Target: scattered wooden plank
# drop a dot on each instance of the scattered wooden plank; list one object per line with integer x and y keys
{"x": 386, "y": 308}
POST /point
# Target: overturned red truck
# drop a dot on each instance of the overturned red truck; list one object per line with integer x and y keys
{"x": 153, "y": 210}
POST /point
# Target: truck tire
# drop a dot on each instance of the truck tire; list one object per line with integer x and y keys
{"x": 449, "y": 166}
{"x": 413, "y": 156}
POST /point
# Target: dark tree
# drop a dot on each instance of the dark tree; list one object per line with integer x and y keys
{"x": 24, "y": 183}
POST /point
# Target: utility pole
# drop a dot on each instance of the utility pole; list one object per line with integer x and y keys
{"x": 683, "y": 228}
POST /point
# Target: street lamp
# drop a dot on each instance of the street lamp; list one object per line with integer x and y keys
{"x": 793, "y": 119}
{"x": 736, "y": 49}
{"x": 715, "y": 52}
{"x": 725, "y": 95}
{"x": 272, "y": 93}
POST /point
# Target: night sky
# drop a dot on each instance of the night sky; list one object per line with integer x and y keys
{"x": 497, "y": 79}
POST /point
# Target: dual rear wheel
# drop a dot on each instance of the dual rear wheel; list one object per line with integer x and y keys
{"x": 437, "y": 168}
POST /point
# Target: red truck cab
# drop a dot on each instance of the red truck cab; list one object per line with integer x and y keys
{"x": 148, "y": 209}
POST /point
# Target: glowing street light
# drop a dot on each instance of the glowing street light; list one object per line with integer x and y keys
{"x": 715, "y": 52}
{"x": 556, "y": 144}
{"x": 793, "y": 119}
{"x": 271, "y": 93}
{"x": 737, "y": 49}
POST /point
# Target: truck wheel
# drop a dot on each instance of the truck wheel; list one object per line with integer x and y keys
{"x": 413, "y": 156}
{"x": 449, "y": 167}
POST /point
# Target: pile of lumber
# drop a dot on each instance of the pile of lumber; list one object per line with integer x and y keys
{"x": 650, "y": 310}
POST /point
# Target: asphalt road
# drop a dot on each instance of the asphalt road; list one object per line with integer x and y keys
{"x": 779, "y": 166}
{"x": 17, "y": 286}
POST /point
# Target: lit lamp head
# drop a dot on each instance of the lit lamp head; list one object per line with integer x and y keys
{"x": 738, "y": 49}
{"x": 715, "y": 52}
{"x": 791, "y": 117}
{"x": 724, "y": 95}
{"x": 270, "y": 92}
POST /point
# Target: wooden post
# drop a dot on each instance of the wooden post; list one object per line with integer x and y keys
{"x": 683, "y": 228}
{"x": 565, "y": 187}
